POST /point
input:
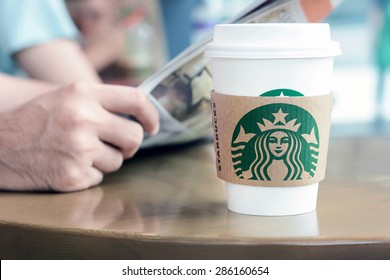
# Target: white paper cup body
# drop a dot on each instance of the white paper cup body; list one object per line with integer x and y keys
{"x": 305, "y": 225}
{"x": 252, "y": 75}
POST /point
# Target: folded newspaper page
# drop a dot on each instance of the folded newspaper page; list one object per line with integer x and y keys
{"x": 181, "y": 90}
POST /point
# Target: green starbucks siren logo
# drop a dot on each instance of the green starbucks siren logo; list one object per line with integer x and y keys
{"x": 276, "y": 142}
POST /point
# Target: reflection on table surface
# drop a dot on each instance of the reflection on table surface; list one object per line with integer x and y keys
{"x": 175, "y": 194}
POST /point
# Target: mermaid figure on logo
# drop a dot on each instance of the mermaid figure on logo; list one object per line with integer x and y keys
{"x": 278, "y": 150}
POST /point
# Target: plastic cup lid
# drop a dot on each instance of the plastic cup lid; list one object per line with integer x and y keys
{"x": 276, "y": 40}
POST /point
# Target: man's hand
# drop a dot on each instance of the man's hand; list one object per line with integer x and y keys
{"x": 66, "y": 140}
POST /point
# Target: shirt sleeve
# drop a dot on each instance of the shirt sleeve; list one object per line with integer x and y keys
{"x": 26, "y": 23}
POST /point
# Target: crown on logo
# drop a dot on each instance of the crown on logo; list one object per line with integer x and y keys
{"x": 279, "y": 123}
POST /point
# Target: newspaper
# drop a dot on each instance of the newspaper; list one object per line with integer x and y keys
{"x": 181, "y": 90}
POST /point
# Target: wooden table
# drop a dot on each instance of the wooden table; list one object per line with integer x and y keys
{"x": 170, "y": 205}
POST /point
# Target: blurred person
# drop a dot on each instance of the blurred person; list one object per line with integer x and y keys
{"x": 38, "y": 39}
{"x": 103, "y": 25}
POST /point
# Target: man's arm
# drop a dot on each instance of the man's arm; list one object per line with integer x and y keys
{"x": 50, "y": 65}
{"x": 58, "y": 61}
{"x": 16, "y": 91}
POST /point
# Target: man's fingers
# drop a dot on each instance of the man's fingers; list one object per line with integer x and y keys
{"x": 89, "y": 177}
{"x": 107, "y": 159}
{"x": 122, "y": 133}
{"x": 95, "y": 176}
{"x": 130, "y": 101}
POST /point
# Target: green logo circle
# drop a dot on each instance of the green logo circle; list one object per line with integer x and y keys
{"x": 275, "y": 142}
{"x": 282, "y": 92}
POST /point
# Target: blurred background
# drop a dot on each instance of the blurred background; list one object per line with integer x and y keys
{"x": 361, "y": 82}
{"x": 158, "y": 30}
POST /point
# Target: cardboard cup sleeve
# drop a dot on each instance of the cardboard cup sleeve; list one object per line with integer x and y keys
{"x": 271, "y": 141}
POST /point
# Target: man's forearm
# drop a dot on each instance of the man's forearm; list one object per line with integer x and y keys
{"x": 16, "y": 91}
{"x": 58, "y": 61}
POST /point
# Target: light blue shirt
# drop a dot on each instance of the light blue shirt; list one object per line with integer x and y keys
{"x": 25, "y": 23}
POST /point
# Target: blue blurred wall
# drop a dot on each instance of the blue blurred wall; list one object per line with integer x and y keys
{"x": 177, "y": 24}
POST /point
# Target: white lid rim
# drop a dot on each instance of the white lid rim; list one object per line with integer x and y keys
{"x": 272, "y": 55}
{"x": 219, "y": 51}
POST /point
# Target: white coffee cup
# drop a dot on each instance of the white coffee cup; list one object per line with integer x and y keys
{"x": 249, "y": 59}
